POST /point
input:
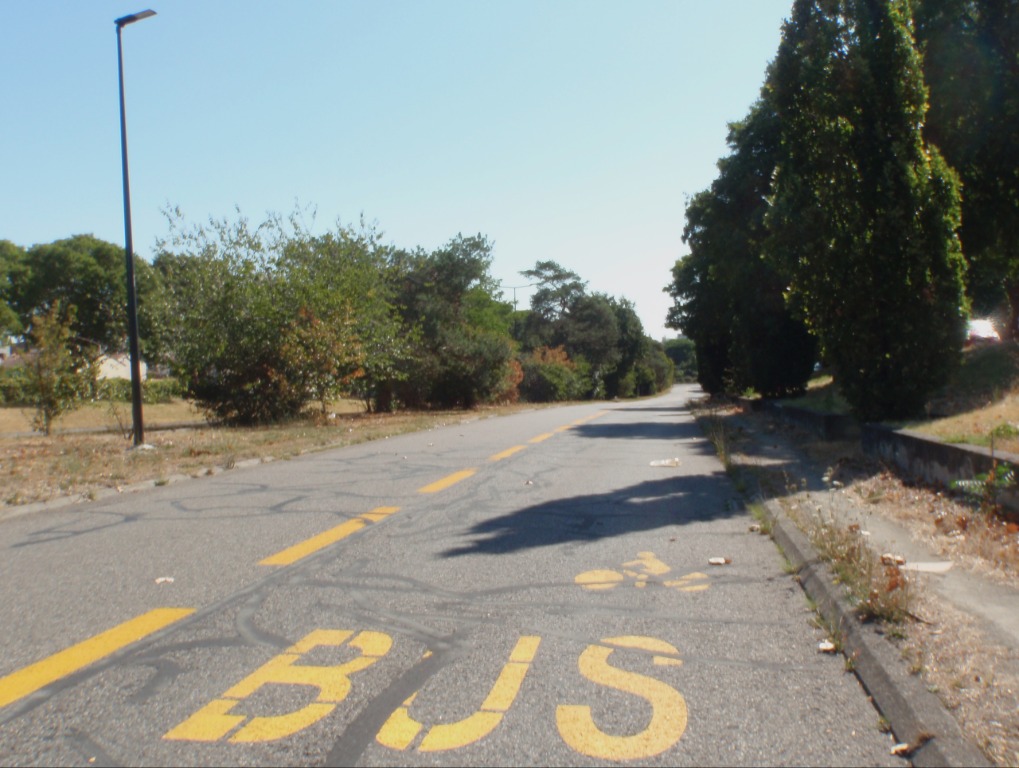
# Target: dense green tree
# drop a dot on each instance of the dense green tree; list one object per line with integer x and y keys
{"x": 655, "y": 371}
{"x": 729, "y": 299}
{"x": 683, "y": 356}
{"x": 700, "y": 296}
{"x": 12, "y": 257}
{"x": 971, "y": 66}
{"x": 452, "y": 305}
{"x": 864, "y": 213}
{"x": 80, "y": 273}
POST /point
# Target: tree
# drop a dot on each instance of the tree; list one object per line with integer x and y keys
{"x": 85, "y": 276}
{"x": 864, "y": 213}
{"x": 558, "y": 289}
{"x": 53, "y": 377}
{"x": 12, "y": 258}
{"x": 729, "y": 298}
{"x": 683, "y": 356}
{"x": 971, "y": 66}
{"x": 449, "y": 301}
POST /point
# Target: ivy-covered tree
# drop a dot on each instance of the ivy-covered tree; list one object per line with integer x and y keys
{"x": 864, "y": 212}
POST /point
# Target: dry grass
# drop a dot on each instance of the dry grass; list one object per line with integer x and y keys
{"x": 38, "y": 468}
{"x": 994, "y": 425}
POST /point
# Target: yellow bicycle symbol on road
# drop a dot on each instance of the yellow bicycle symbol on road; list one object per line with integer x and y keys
{"x": 647, "y": 568}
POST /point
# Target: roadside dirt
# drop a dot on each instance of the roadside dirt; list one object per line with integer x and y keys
{"x": 971, "y": 668}
{"x": 83, "y": 467}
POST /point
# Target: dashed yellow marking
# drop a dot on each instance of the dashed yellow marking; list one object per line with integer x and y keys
{"x": 446, "y": 482}
{"x": 541, "y": 438}
{"x": 507, "y": 453}
{"x": 30, "y": 679}
{"x": 302, "y": 549}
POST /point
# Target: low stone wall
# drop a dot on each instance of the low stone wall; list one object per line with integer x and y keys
{"x": 827, "y": 426}
{"x": 916, "y": 456}
{"x": 931, "y": 460}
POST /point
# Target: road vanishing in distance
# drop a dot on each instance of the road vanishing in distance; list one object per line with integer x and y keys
{"x": 533, "y": 589}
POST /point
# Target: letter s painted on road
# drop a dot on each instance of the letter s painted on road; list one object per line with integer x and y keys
{"x": 668, "y": 717}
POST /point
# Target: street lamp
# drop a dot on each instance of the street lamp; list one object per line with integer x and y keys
{"x": 514, "y": 289}
{"x": 132, "y": 301}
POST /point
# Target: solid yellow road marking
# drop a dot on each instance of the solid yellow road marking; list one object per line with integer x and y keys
{"x": 30, "y": 679}
{"x": 446, "y": 482}
{"x": 292, "y": 554}
{"x": 507, "y": 453}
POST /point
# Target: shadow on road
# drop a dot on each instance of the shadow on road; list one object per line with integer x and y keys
{"x": 647, "y": 430}
{"x": 670, "y": 501}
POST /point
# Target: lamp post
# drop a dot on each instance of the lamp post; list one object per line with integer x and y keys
{"x": 514, "y": 289}
{"x": 132, "y": 301}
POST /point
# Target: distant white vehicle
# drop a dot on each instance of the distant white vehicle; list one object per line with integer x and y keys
{"x": 981, "y": 330}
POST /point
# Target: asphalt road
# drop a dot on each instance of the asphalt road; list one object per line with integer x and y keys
{"x": 534, "y": 590}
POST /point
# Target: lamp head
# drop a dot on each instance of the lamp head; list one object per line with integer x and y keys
{"x": 123, "y": 21}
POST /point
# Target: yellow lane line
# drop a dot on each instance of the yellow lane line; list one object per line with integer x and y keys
{"x": 322, "y": 540}
{"x": 541, "y": 438}
{"x": 446, "y": 482}
{"x": 30, "y": 679}
{"x": 507, "y": 453}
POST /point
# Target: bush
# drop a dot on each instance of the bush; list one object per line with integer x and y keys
{"x": 550, "y": 376}
{"x": 153, "y": 391}
{"x": 13, "y": 386}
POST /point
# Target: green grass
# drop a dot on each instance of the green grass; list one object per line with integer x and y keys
{"x": 822, "y": 395}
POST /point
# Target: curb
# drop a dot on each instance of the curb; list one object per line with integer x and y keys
{"x": 916, "y": 716}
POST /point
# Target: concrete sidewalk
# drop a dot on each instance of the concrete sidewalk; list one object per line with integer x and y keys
{"x": 916, "y": 715}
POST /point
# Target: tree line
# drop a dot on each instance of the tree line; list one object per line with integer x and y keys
{"x": 868, "y": 204}
{"x": 257, "y": 323}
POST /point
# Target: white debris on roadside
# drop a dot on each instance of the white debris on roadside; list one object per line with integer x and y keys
{"x": 164, "y": 580}
{"x": 673, "y": 462}
{"x": 826, "y": 646}
{"x": 719, "y": 561}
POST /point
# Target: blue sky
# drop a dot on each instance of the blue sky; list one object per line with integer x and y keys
{"x": 570, "y": 130}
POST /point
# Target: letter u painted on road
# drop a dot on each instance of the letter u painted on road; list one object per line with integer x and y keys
{"x": 668, "y": 716}
{"x": 400, "y": 730}
{"x": 214, "y": 721}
